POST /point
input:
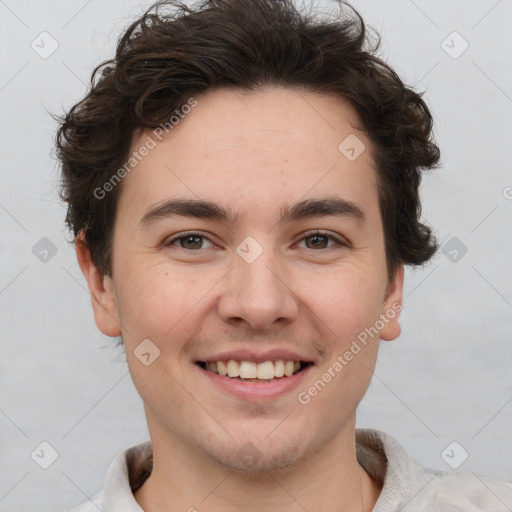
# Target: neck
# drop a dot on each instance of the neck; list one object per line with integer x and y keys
{"x": 183, "y": 478}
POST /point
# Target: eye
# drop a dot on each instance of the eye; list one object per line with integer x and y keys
{"x": 192, "y": 241}
{"x": 189, "y": 241}
{"x": 319, "y": 239}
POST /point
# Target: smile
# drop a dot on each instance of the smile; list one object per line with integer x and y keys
{"x": 253, "y": 372}
{"x": 248, "y": 380}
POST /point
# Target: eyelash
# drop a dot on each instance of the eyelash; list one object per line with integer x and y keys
{"x": 306, "y": 235}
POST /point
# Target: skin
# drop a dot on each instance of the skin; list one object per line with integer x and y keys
{"x": 254, "y": 153}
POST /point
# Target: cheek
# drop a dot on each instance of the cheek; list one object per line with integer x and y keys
{"x": 346, "y": 308}
{"x": 347, "y": 300}
{"x": 153, "y": 300}
{"x": 159, "y": 312}
{"x": 339, "y": 387}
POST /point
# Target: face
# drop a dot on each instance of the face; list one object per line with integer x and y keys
{"x": 285, "y": 262}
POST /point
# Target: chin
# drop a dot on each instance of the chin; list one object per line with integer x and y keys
{"x": 259, "y": 456}
{"x": 251, "y": 461}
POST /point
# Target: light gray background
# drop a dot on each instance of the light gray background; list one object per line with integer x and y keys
{"x": 447, "y": 378}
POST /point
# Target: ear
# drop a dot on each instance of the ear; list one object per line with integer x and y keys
{"x": 102, "y": 290}
{"x": 392, "y": 307}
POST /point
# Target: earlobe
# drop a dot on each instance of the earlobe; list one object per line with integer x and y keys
{"x": 392, "y": 307}
{"x": 101, "y": 290}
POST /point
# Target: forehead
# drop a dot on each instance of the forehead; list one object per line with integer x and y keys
{"x": 235, "y": 147}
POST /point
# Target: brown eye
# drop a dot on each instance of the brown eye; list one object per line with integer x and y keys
{"x": 191, "y": 242}
{"x": 319, "y": 240}
{"x": 188, "y": 241}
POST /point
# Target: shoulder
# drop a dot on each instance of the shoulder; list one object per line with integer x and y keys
{"x": 409, "y": 487}
{"x": 464, "y": 492}
{"x": 124, "y": 471}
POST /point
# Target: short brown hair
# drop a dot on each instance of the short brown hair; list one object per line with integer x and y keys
{"x": 173, "y": 52}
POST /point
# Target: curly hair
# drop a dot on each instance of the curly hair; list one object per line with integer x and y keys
{"x": 174, "y": 51}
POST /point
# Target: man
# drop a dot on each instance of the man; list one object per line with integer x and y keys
{"x": 242, "y": 182}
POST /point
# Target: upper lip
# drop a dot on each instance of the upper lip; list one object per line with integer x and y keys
{"x": 257, "y": 357}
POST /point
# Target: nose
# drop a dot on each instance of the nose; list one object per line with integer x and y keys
{"x": 257, "y": 294}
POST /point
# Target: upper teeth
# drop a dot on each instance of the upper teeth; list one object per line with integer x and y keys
{"x": 252, "y": 370}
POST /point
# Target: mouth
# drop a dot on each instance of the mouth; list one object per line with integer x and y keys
{"x": 251, "y": 371}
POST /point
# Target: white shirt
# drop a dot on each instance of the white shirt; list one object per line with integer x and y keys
{"x": 407, "y": 487}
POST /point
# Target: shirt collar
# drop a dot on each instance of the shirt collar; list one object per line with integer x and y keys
{"x": 386, "y": 461}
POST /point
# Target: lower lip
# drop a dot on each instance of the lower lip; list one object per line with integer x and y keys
{"x": 256, "y": 390}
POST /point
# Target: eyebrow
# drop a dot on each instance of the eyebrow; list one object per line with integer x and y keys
{"x": 330, "y": 206}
